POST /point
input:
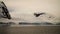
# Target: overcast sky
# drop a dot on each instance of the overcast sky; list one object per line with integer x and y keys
{"x": 24, "y": 9}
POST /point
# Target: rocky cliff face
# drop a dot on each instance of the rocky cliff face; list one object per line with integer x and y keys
{"x": 4, "y": 13}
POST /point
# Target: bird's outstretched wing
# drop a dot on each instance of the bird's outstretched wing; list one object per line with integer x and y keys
{"x": 37, "y": 15}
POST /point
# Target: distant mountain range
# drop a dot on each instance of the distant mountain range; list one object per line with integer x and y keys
{"x": 26, "y": 23}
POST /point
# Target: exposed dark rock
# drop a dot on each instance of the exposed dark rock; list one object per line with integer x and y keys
{"x": 10, "y": 23}
{"x": 58, "y": 24}
{"x": 2, "y": 23}
{"x": 46, "y": 23}
{"x": 5, "y": 11}
{"x": 25, "y": 23}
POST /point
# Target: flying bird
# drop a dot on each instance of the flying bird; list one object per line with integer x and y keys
{"x": 38, "y": 14}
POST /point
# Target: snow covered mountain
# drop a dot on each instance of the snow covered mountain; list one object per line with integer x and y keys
{"x": 23, "y": 11}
